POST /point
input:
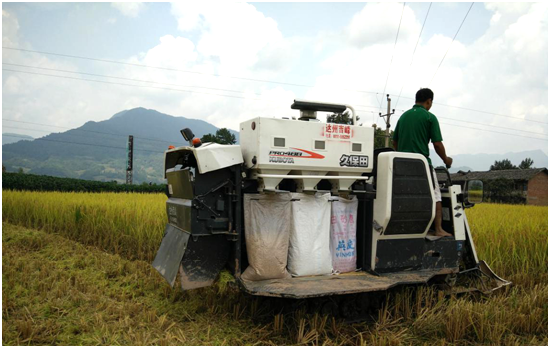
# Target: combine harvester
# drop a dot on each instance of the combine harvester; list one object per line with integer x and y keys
{"x": 305, "y": 209}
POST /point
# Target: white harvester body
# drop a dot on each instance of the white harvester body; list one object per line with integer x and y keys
{"x": 281, "y": 165}
{"x": 307, "y": 152}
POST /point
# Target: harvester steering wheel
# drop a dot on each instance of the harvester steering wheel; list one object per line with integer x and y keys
{"x": 448, "y": 182}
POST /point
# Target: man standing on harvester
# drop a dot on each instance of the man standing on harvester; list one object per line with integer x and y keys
{"x": 413, "y": 132}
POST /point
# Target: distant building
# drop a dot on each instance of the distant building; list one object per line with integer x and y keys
{"x": 529, "y": 185}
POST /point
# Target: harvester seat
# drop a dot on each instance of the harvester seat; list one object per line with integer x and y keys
{"x": 375, "y": 156}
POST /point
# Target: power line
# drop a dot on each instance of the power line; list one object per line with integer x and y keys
{"x": 76, "y": 143}
{"x": 489, "y": 125}
{"x": 490, "y": 131}
{"x": 274, "y": 82}
{"x": 359, "y": 110}
{"x": 62, "y": 134}
{"x": 90, "y": 131}
{"x": 481, "y": 111}
{"x": 125, "y": 84}
{"x": 450, "y": 44}
{"x": 124, "y": 78}
{"x": 143, "y": 150}
{"x": 82, "y": 130}
{"x": 114, "y": 147}
{"x": 168, "y": 141}
{"x": 450, "y": 119}
{"x": 150, "y": 66}
{"x": 129, "y": 85}
{"x": 392, "y": 53}
{"x": 492, "y": 113}
{"x": 367, "y": 106}
{"x": 178, "y": 70}
{"x": 144, "y": 81}
{"x": 414, "y": 51}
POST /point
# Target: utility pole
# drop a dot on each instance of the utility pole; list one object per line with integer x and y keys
{"x": 130, "y": 159}
{"x": 387, "y": 120}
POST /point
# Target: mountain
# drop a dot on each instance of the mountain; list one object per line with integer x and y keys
{"x": 97, "y": 150}
{"x": 457, "y": 169}
{"x": 10, "y": 138}
{"x": 483, "y": 161}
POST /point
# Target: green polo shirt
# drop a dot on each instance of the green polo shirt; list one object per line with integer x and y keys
{"x": 414, "y": 130}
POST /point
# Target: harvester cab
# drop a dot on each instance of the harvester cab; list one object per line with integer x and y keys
{"x": 306, "y": 209}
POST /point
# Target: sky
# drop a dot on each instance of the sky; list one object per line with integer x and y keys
{"x": 226, "y": 62}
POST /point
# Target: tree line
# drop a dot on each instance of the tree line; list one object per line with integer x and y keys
{"x": 504, "y": 190}
{"x": 507, "y": 164}
{"x": 345, "y": 118}
{"x": 32, "y": 182}
{"x": 222, "y": 136}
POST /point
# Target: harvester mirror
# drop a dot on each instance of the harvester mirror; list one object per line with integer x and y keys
{"x": 187, "y": 134}
{"x": 475, "y": 191}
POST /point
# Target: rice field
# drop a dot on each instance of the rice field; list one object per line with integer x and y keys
{"x": 76, "y": 271}
{"x": 128, "y": 224}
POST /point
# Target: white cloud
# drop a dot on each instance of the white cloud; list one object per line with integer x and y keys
{"x": 235, "y": 34}
{"x": 188, "y": 14}
{"x": 43, "y": 99}
{"x": 233, "y": 40}
{"x": 504, "y": 71}
{"x": 171, "y": 52}
{"x": 10, "y": 29}
{"x": 12, "y": 84}
{"x": 508, "y": 8}
{"x": 259, "y": 52}
{"x": 378, "y": 24}
{"x": 129, "y": 9}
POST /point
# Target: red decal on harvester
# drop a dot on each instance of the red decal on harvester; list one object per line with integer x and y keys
{"x": 299, "y": 153}
{"x": 312, "y": 154}
{"x": 338, "y": 131}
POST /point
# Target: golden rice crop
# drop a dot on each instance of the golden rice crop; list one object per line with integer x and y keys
{"x": 104, "y": 297}
{"x": 129, "y": 224}
{"x": 58, "y": 292}
{"x": 513, "y": 239}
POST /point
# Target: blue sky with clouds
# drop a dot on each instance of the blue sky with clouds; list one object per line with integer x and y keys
{"x": 498, "y": 63}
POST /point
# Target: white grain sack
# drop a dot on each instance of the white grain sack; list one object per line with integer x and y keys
{"x": 309, "y": 251}
{"x": 267, "y": 231}
{"x": 343, "y": 226}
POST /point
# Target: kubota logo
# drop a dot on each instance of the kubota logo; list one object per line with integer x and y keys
{"x": 296, "y": 153}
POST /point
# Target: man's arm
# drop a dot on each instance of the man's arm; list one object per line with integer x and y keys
{"x": 395, "y": 136}
{"x": 440, "y": 150}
